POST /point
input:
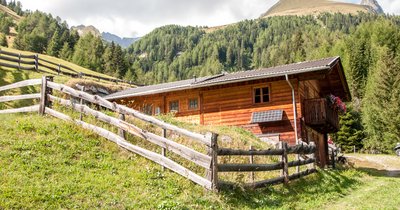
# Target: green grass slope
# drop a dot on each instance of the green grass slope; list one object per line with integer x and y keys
{"x": 10, "y": 13}
{"x": 49, "y": 164}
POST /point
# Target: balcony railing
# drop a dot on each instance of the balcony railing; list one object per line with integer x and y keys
{"x": 320, "y": 116}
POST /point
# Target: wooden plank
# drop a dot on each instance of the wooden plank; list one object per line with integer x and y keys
{"x": 24, "y": 83}
{"x": 302, "y": 149}
{"x": 20, "y": 97}
{"x": 226, "y": 151}
{"x": 157, "y": 158}
{"x": 185, "y": 152}
{"x": 265, "y": 183}
{"x": 301, "y": 174}
{"x": 33, "y": 108}
{"x": 301, "y": 162}
{"x": 128, "y": 111}
{"x": 249, "y": 167}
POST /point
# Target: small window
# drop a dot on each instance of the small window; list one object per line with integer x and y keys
{"x": 174, "y": 106}
{"x": 157, "y": 110}
{"x": 261, "y": 95}
{"x": 193, "y": 103}
{"x": 148, "y": 109}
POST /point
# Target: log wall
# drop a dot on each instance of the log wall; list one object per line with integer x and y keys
{"x": 230, "y": 104}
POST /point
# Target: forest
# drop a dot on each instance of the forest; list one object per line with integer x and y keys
{"x": 367, "y": 43}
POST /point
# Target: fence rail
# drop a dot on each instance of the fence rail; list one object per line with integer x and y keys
{"x": 282, "y": 165}
{"x": 35, "y": 63}
{"x": 207, "y": 161}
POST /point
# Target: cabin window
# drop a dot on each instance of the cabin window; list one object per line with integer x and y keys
{"x": 157, "y": 110}
{"x": 174, "y": 106}
{"x": 148, "y": 109}
{"x": 193, "y": 103}
{"x": 261, "y": 95}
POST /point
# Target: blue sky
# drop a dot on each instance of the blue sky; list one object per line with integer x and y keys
{"x": 132, "y": 18}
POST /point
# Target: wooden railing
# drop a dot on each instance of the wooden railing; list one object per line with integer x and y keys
{"x": 320, "y": 116}
{"x": 283, "y": 165}
{"x": 208, "y": 161}
{"x": 35, "y": 63}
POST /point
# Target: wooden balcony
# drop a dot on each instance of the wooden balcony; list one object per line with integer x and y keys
{"x": 319, "y": 116}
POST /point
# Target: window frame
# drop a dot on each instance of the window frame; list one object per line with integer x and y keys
{"x": 197, "y": 103}
{"x": 148, "y": 107}
{"x": 261, "y": 87}
{"x": 169, "y": 106}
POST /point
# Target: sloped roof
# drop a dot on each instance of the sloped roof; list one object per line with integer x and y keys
{"x": 225, "y": 78}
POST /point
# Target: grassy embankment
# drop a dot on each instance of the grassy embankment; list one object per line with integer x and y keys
{"x": 46, "y": 163}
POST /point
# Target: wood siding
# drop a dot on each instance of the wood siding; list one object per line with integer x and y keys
{"x": 231, "y": 105}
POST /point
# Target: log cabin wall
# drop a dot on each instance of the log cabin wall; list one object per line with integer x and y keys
{"x": 230, "y": 104}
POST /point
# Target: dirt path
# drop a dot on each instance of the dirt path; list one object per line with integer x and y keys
{"x": 389, "y": 165}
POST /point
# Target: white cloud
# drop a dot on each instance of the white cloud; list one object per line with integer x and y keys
{"x": 138, "y": 17}
{"x": 127, "y": 17}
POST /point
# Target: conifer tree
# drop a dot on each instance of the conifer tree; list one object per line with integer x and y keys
{"x": 381, "y": 108}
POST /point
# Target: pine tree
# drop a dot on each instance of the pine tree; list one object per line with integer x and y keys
{"x": 66, "y": 52}
{"x": 381, "y": 108}
{"x": 54, "y": 45}
{"x": 351, "y": 131}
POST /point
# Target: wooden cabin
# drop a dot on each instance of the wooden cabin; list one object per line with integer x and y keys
{"x": 284, "y": 103}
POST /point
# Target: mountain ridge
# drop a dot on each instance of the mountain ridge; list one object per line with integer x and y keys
{"x": 312, "y": 7}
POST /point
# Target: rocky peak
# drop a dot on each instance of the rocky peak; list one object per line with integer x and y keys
{"x": 374, "y": 5}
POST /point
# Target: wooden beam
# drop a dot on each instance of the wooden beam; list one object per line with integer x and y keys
{"x": 20, "y": 97}
{"x": 301, "y": 162}
{"x": 33, "y": 108}
{"x": 248, "y": 167}
{"x": 128, "y": 111}
{"x": 230, "y": 152}
{"x": 24, "y": 83}
{"x": 157, "y": 158}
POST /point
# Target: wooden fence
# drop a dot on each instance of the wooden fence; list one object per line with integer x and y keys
{"x": 35, "y": 63}
{"x": 208, "y": 161}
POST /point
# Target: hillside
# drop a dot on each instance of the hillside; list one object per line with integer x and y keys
{"x": 49, "y": 164}
{"x": 314, "y": 7}
{"x": 10, "y": 13}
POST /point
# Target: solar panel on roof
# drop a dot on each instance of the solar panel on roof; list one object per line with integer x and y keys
{"x": 267, "y": 116}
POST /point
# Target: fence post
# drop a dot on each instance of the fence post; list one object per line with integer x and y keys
{"x": 59, "y": 69}
{"x": 212, "y": 172}
{"x": 81, "y": 102}
{"x": 251, "y": 162}
{"x": 163, "y": 150}
{"x": 284, "y": 159}
{"x": 333, "y": 158}
{"x": 37, "y": 62}
{"x": 19, "y": 61}
{"x": 121, "y": 132}
{"x": 44, "y": 102}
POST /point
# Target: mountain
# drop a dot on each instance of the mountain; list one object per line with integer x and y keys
{"x": 83, "y": 30}
{"x": 123, "y": 42}
{"x": 373, "y": 4}
{"x": 312, "y": 7}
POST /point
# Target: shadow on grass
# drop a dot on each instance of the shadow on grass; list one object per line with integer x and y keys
{"x": 317, "y": 186}
{"x": 380, "y": 173}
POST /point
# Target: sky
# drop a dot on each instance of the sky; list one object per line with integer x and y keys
{"x": 135, "y": 18}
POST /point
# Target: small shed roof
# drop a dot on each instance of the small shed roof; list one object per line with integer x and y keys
{"x": 226, "y": 78}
